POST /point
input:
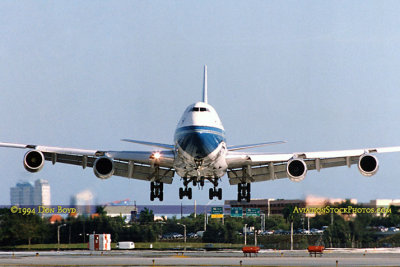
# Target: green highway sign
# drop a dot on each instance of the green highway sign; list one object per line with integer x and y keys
{"x": 236, "y": 212}
{"x": 217, "y": 212}
{"x": 255, "y": 212}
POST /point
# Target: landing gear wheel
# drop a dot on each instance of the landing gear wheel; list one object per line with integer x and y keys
{"x": 202, "y": 182}
{"x": 219, "y": 193}
{"x": 156, "y": 191}
{"x": 189, "y": 193}
{"x": 211, "y": 194}
{"x": 185, "y": 191}
{"x": 180, "y": 192}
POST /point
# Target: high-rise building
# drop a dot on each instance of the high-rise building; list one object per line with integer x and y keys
{"x": 82, "y": 202}
{"x": 41, "y": 193}
{"x": 25, "y": 193}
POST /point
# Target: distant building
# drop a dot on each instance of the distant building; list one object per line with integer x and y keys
{"x": 41, "y": 193}
{"x": 25, "y": 193}
{"x": 383, "y": 203}
{"x": 130, "y": 212}
{"x": 83, "y": 202}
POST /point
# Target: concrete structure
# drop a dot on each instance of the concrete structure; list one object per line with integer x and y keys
{"x": 124, "y": 211}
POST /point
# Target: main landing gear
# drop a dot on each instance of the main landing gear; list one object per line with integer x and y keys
{"x": 156, "y": 191}
{"x": 215, "y": 192}
{"x": 244, "y": 192}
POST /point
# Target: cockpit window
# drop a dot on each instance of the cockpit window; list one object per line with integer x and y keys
{"x": 200, "y": 109}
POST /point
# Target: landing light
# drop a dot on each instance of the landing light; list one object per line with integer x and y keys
{"x": 157, "y": 155}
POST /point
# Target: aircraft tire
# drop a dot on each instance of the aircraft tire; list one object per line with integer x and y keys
{"x": 189, "y": 193}
{"x": 180, "y": 193}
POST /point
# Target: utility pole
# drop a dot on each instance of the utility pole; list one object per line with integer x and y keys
{"x": 58, "y": 235}
{"x": 195, "y": 209}
{"x": 184, "y": 234}
{"x": 291, "y": 234}
{"x": 262, "y": 222}
{"x": 205, "y": 220}
{"x": 245, "y": 234}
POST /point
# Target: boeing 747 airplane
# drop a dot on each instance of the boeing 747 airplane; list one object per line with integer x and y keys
{"x": 200, "y": 152}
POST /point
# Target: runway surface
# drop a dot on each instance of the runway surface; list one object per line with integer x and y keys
{"x": 336, "y": 257}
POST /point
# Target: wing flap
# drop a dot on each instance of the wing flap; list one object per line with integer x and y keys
{"x": 265, "y": 172}
{"x": 122, "y": 168}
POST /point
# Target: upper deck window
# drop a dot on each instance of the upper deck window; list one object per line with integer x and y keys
{"x": 200, "y": 109}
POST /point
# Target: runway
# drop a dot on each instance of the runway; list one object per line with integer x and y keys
{"x": 336, "y": 257}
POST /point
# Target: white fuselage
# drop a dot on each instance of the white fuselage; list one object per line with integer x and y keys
{"x": 200, "y": 145}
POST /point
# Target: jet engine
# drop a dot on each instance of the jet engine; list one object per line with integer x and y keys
{"x": 103, "y": 167}
{"x": 296, "y": 170}
{"x": 368, "y": 165}
{"x": 33, "y": 161}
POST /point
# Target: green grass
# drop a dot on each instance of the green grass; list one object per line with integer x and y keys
{"x": 138, "y": 245}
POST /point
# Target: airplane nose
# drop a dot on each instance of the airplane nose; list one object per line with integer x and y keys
{"x": 199, "y": 145}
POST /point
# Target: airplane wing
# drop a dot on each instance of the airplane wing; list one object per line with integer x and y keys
{"x": 140, "y": 165}
{"x": 256, "y": 167}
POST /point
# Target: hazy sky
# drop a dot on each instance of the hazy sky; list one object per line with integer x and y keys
{"x": 323, "y": 75}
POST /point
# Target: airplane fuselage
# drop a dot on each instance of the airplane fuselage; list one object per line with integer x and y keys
{"x": 200, "y": 144}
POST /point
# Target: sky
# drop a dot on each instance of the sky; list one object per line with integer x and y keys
{"x": 322, "y": 75}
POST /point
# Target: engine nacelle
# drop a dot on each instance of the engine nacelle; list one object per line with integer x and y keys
{"x": 103, "y": 167}
{"x": 296, "y": 170}
{"x": 33, "y": 161}
{"x": 368, "y": 165}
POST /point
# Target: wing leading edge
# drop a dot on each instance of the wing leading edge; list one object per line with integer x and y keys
{"x": 255, "y": 167}
{"x": 130, "y": 164}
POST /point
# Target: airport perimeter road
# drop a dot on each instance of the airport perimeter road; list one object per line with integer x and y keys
{"x": 360, "y": 257}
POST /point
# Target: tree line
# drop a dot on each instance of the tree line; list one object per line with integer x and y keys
{"x": 341, "y": 231}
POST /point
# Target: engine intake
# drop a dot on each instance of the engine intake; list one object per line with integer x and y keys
{"x": 33, "y": 161}
{"x": 368, "y": 165}
{"x": 103, "y": 167}
{"x": 296, "y": 170}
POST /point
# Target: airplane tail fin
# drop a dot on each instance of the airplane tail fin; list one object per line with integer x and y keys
{"x": 205, "y": 97}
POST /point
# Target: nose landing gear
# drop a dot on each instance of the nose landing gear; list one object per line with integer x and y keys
{"x": 187, "y": 191}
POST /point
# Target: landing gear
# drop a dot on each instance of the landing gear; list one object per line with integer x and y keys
{"x": 187, "y": 191}
{"x": 156, "y": 191}
{"x": 215, "y": 192}
{"x": 244, "y": 192}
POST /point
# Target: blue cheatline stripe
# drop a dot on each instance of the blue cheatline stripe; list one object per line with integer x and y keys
{"x": 200, "y": 128}
{"x": 199, "y": 141}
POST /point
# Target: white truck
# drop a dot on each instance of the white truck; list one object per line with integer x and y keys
{"x": 126, "y": 245}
